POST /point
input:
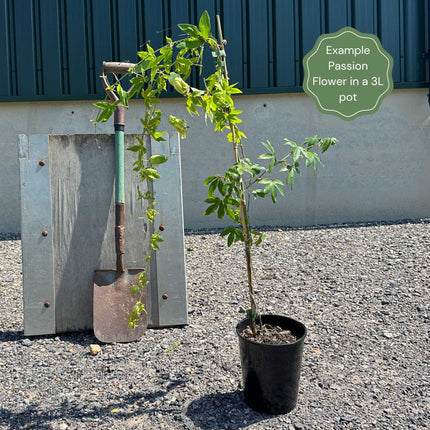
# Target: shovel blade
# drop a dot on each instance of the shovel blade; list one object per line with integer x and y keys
{"x": 112, "y": 303}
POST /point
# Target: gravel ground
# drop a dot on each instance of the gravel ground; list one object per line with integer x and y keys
{"x": 362, "y": 291}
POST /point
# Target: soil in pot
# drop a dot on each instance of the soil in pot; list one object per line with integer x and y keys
{"x": 269, "y": 334}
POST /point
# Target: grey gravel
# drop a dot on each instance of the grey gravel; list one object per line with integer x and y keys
{"x": 362, "y": 291}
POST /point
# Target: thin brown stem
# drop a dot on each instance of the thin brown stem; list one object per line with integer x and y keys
{"x": 243, "y": 209}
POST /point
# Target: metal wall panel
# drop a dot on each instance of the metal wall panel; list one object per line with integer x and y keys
{"x": 286, "y": 51}
{"x": 53, "y": 49}
{"x": 390, "y": 20}
{"x": 22, "y": 14}
{"x": 414, "y": 42}
{"x": 76, "y": 62}
{"x": 5, "y": 88}
{"x": 364, "y": 15}
{"x": 50, "y": 38}
{"x": 258, "y": 43}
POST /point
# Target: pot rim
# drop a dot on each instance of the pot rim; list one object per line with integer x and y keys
{"x": 300, "y": 339}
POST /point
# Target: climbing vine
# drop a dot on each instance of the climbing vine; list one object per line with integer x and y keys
{"x": 228, "y": 193}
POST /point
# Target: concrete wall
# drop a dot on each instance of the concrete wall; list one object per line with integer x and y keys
{"x": 378, "y": 171}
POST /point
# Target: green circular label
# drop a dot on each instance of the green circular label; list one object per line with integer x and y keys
{"x": 348, "y": 73}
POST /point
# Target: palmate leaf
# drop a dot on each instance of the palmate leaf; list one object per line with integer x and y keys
{"x": 212, "y": 208}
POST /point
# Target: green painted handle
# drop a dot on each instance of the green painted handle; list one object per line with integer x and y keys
{"x": 119, "y": 166}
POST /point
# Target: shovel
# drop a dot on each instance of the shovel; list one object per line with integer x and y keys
{"x": 112, "y": 298}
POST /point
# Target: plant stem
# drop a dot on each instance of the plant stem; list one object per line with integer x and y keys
{"x": 243, "y": 210}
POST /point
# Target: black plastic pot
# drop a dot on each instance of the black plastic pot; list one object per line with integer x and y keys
{"x": 271, "y": 373}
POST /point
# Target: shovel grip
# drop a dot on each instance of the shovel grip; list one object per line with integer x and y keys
{"x": 119, "y": 236}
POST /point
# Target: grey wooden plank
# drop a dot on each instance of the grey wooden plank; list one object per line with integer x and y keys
{"x": 37, "y": 249}
{"x": 83, "y": 218}
{"x": 170, "y": 260}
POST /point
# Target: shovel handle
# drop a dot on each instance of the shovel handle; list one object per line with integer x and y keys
{"x": 119, "y": 236}
{"x": 117, "y": 67}
{"x": 119, "y": 188}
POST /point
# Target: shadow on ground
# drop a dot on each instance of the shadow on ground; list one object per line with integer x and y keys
{"x": 135, "y": 405}
{"x": 81, "y": 338}
{"x": 223, "y": 411}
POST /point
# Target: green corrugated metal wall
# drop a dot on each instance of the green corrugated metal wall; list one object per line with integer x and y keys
{"x": 53, "y": 49}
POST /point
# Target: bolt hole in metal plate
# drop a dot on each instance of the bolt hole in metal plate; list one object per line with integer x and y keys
{"x": 114, "y": 302}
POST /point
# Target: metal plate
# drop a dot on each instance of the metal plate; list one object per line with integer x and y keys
{"x": 112, "y": 303}
{"x": 37, "y": 236}
{"x": 170, "y": 259}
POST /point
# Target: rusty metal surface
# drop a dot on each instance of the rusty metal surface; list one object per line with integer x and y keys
{"x": 119, "y": 236}
{"x": 119, "y": 115}
{"x": 112, "y": 302}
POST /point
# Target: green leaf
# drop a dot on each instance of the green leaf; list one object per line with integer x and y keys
{"x": 102, "y": 105}
{"x": 205, "y": 24}
{"x": 158, "y": 159}
{"x": 135, "y": 148}
{"x": 212, "y": 188}
{"x": 154, "y": 240}
{"x": 311, "y": 141}
{"x": 231, "y": 213}
{"x": 259, "y": 193}
{"x": 193, "y": 43}
{"x": 297, "y": 153}
{"x": 269, "y": 147}
{"x": 289, "y": 142}
{"x": 239, "y": 235}
{"x": 209, "y": 180}
{"x": 221, "y": 210}
{"x": 327, "y": 142}
{"x": 258, "y": 237}
{"x": 158, "y": 136}
{"x": 178, "y": 83}
{"x": 143, "y": 55}
{"x": 211, "y": 209}
{"x": 221, "y": 187}
{"x": 134, "y": 289}
{"x": 190, "y": 29}
{"x": 122, "y": 94}
{"x": 227, "y": 231}
{"x": 252, "y": 314}
{"x": 172, "y": 347}
{"x": 265, "y": 156}
{"x": 179, "y": 124}
{"x": 290, "y": 177}
{"x": 273, "y": 194}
